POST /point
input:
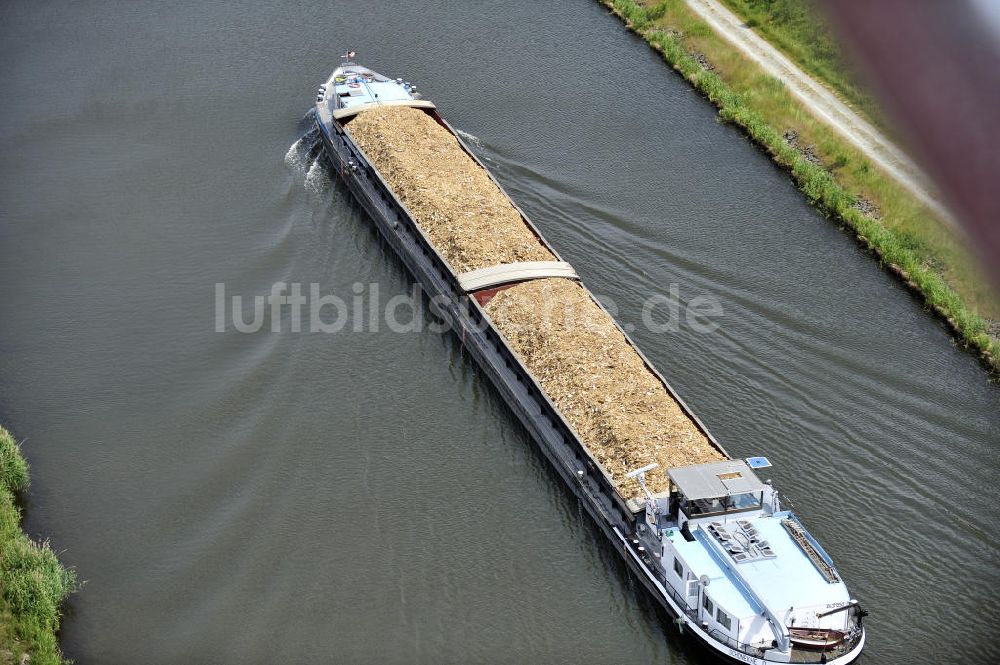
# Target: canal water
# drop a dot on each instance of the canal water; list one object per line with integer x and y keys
{"x": 365, "y": 497}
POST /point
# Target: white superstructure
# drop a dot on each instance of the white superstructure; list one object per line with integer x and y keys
{"x": 746, "y": 574}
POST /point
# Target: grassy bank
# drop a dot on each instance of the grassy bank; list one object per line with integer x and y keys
{"x": 34, "y": 583}
{"x": 839, "y": 180}
{"x": 800, "y": 32}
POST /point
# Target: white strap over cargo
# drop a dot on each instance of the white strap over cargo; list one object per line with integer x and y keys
{"x": 354, "y": 110}
{"x": 484, "y": 278}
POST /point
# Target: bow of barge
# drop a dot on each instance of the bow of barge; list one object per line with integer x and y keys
{"x": 710, "y": 540}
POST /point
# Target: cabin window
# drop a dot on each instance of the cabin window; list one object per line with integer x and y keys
{"x": 724, "y": 619}
{"x": 704, "y": 507}
{"x": 678, "y": 568}
{"x": 721, "y": 505}
{"x": 706, "y": 602}
{"x": 745, "y": 501}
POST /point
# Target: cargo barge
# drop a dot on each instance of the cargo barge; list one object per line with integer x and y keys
{"x": 714, "y": 546}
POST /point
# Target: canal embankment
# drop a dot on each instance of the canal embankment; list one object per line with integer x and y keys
{"x": 34, "y": 583}
{"x": 909, "y": 239}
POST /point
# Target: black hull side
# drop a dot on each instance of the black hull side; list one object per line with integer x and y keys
{"x": 520, "y": 391}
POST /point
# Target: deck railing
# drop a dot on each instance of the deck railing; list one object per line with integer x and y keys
{"x": 798, "y": 655}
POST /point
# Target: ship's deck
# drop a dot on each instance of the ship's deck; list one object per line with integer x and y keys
{"x": 788, "y": 580}
{"x": 367, "y": 92}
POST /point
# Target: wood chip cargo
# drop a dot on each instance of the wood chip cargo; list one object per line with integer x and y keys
{"x": 624, "y": 414}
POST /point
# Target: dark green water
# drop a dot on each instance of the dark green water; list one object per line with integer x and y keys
{"x": 365, "y": 497}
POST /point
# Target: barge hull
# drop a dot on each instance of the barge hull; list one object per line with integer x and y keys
{"x": 561, "y": 446}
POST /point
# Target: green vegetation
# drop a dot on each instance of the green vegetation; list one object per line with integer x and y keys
{"x": 800, "y": 31}
{"x": 34, "y": 583}
{"x": 922, "y": 250}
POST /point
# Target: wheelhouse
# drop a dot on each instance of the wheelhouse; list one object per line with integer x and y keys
{"x": 716, "y": 489}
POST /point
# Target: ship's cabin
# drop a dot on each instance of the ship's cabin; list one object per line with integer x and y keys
{"x": 716, "y": 490}
{"x": 746, "y": 571}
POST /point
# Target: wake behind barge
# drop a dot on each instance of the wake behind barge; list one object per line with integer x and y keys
{"x": 739, "y": 573}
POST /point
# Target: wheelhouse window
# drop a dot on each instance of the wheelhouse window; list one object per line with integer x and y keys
{"x": 709, "y": 606}
{"x": 723, "y": 504}
{"x": 724, "y": 619}
{"x": 678, "y": 567}
{"x": 748, "y": 501}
